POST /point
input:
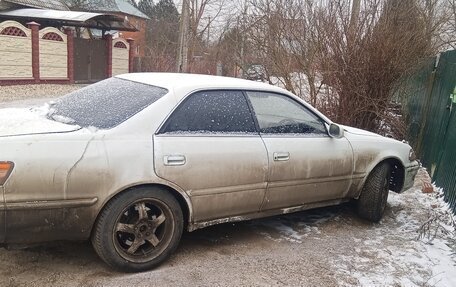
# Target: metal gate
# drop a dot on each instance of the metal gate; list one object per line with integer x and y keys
{"x": 90, "y": 60}
{"x": 432, "y": 111}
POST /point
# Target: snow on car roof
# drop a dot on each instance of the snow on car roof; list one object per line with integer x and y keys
{"x": 172, "y": 81}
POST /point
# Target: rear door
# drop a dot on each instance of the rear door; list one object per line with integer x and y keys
{"x": 305, "y": 164}
{"x": 210, "y": 147}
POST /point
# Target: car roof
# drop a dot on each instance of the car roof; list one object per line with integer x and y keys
{"x": 182, "y": 84}
{"x": 182, "y": 81}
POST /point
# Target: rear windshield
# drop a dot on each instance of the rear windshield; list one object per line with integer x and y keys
{"x": 105, "y": 104}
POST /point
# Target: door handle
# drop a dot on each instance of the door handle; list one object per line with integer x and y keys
{"x": 174, "y": 160}
{"x": 281, "y": 156}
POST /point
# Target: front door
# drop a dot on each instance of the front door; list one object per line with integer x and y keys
{"x": 209, "y": 147}
{"x": 305, "y": 164}
{"x": 90, "y": 60}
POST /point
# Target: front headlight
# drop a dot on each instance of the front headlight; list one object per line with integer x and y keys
{"x": 5, "y": 170}
{"x": 412, "y": 155}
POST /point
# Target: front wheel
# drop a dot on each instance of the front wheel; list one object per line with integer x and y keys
{"x": 374, "y": 195}
{"x": 138, "y": 229}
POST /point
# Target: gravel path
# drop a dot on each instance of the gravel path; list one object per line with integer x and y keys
{"x": 30, "y": 92}
{"x": 322, "y": 247}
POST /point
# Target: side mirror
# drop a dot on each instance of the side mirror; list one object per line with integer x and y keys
{"x": 336, "y": 131}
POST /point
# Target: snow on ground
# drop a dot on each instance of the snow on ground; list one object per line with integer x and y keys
{"x": 393, "y": 252}
{"x": 409, "y": 258}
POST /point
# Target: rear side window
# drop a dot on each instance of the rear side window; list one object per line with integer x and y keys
{"x": 105, "y": 104}
{"x": 212, "y": 112}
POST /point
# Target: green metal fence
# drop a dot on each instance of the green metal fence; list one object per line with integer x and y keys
{"x": 432, "y": 119}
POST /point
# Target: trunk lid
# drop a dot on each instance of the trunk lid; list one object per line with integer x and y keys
{"x": 29, "y": 121}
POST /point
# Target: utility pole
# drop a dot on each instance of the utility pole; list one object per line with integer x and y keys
{"x": 182, "y": 56}
{"x": 243, "y": 40}
{"x": 356, "y": 5}
{"x": 208, "y": 29}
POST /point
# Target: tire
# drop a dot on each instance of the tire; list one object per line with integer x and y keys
{"x": 374, "y": 195}
{"x": 138, "y": 229}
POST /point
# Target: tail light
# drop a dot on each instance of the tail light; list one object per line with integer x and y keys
{"x": 5, "y": 170}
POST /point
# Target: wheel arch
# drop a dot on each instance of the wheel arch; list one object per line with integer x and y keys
{"x": 397, "y": 172}
{"x": 181, "y": 197}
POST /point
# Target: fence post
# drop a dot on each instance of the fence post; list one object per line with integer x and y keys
{"x": 35, "y": 27}
{"x": 131, "y": 54}
{"x": 70, "y": 54}
{"x": 108, "y": 38}
{"x": 425, "y": 111}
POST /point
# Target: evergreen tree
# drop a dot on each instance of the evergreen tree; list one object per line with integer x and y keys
{"x": 133, "y": 2}
{"x": 161, "y": 34}
{"x": 166, "y": 10}
{"x": 147, "y": 7}
{"x": 165, "y": 20}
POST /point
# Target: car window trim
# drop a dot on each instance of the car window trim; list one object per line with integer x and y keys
{"x": 215, "y": 135}
{"x": 161, "y": 129}
{"x": 252, "y": 112}
{"x": 289, "y": 135}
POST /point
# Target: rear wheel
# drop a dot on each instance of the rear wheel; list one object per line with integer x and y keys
{"x": 138, "y": 229}
{"x": 374, "y": 195}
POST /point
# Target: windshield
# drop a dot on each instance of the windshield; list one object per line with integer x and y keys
{"x": 105, "y": 104}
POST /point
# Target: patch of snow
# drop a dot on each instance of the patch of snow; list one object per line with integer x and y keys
{"x": 441, "y": 260}
{"x": 63, "y": 119}
{"x": 286, "y": 231}
{"x": 19, "y": 121}
{"x": 395, "y": 254}
{"x": 293, "y": 228}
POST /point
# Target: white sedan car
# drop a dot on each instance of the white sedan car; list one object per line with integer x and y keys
{"x": 133, "y": 161}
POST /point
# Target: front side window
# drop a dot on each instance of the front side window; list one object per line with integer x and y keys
{"x": 212, "y": 112}
{"x": 279, "y": 114}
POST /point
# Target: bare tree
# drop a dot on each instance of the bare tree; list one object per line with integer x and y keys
{"x": 205, "y": 16}
{"x": 392, "y": 38}
{"x": 286, "y": 39}
{"x": 349, "y": 58}
{"x": 448, "y": 33}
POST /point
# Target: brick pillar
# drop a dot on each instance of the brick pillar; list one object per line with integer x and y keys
{"x": 131, "y": 54}
{"x": 35, "y": 27}
{"x": 70, "y": 54}
{"x": 108, "y": 39}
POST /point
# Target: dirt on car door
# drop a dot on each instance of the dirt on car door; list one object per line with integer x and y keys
{"x": 211, "y": 149}
{"x": 306, "y": 165}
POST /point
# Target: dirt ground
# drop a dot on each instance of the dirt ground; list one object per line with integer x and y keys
{"x": 323, "y": 247}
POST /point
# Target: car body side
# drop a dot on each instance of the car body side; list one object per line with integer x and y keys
{"x": 59, "y": 194}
